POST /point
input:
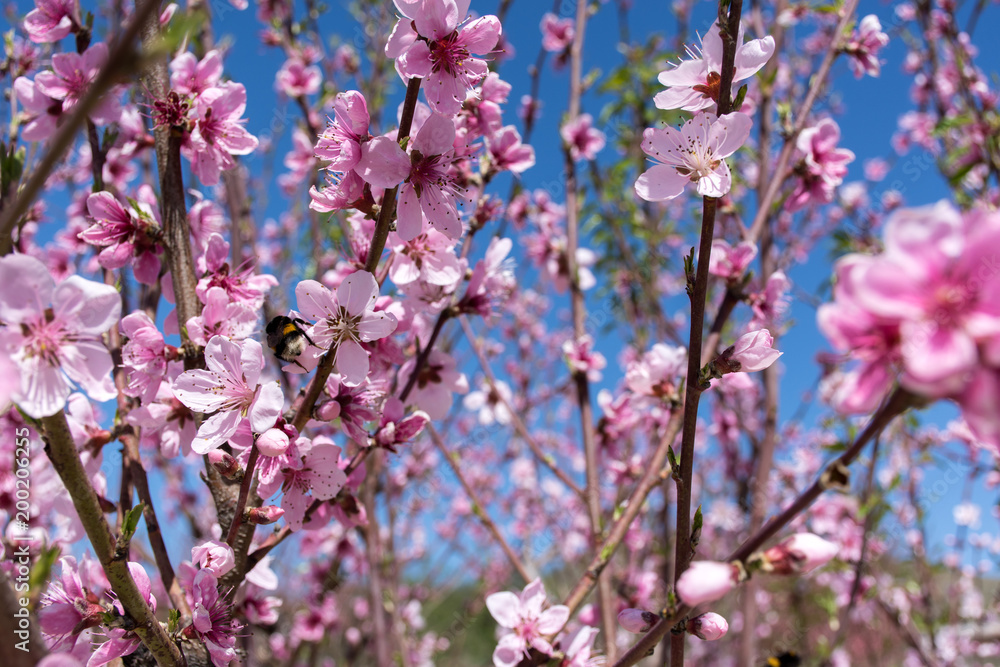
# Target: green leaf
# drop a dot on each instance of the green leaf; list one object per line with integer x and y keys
{"x": 42, "y": 570}
{"x": 131, "y": 521}
{"x": 173, "y": 620}
{"x": 696, "y": 528}
{"x": 740, "y": 96}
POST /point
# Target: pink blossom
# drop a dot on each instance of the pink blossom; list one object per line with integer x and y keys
{"x": 487, "y": 401}
{"x": 753, "y": 351}
{"x": 124, "y": 642}
{"x": 214, "y": 556}
{"x": 824, "y": 165}
{"x": 444, "y": 58}
{"x": 584, "y": 141}
{"x": 638, "y": 621}
{"x": 346, "y": 321}
{"x": 492, "y": 280}
{"x": 212, "y": 621}
{"x": 126, "y": 236}
{"x": 397, "y": 429}
{"x": 51, "y": 20}
{"x": 867, "y": 40}
{"x": 230, "y": 389}
{"x": 167, "y": 424}
{"x": 430, "y": 191}
{"x": 508, "y": 153}
{"x": 693, "y": 85}
{"x": 273, "y": 442}
{"x": 557, "y": 33}
{"x": 42, "y": 112}
{"x": 341, "y": 142}
{"x": 296, "y": 78}
{"x": 435, "y": 384}
{"x": 241, "y": 285}
{"x": 222, "y": 316}
{"x": 706, "y": 581}
{"x": 581, "y": 648}
{"x": 523, "y": 614}
{"x": 656, "y": 372}
{"x": 582, "y": 358}
{"x": 191, "y": 76}
{"x": 219, "y": 133}
{"x": 429, "y": 257}
{"x": 300, "y": 160}
{"x": 930, "y": 295}
{"x": 709, "y": 626}
{"x": 729, "y": 262}
{"x": 979, "y": 402}
{"x": 317, "y": 472}
{"x": 67, "y": 607}
{"x": 799, "y": 554}
{"x": 352, "y": 405}
{"x": 340, "y": 193}
{"x": 71, "y": 76}
{"x": 143, "y": 356}
{"x": 53, "y": 334}
{"x": 695, "y": 153}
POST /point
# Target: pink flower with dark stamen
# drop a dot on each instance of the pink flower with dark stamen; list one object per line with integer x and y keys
{"x": 71, "y": 76}
{"x": 41, "y": 111}
{"x": 867, "y": 40}
{"x": 341, "y": 142}
{"x": 557, "y": 33}
{"x": 693, "y": 85}
{"x": 296, "y": 78}
{"x": 53, "y": 334}
{"x": 444, "y": 57}
{"x": 529, "y": 624}
{"x": 695, "y": 153}
{"x": 345, "y": 321}
{"x": 124, "y": 642}
{"x": 212, "y": 621}
{"x": 231, "y": 389}
{"x": 429, "y": 190}
{"x": 584, "y": 140}
{"x": 126, "y": 235}
{"x": 51, "y": 20}
{"x": 316, "y": 473}
{"x": 219, "y": 133}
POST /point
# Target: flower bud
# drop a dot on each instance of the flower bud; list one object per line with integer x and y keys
{"x": 753, "y": 351}
{"x": 272, "y": 442}
{"x": 328, "y": 411}
{"x": 708, "y": 626}
{"x": 799, "y": 554}
{"x": 706, "y": 581}
{"x": 263, "y": 516}
{"x": 227, "y": 466}
{"x": 637, "y": 620}
{"x": 215, "y": 556}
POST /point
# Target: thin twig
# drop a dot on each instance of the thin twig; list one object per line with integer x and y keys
{"x": 515, "y": 418}
{"x": 478, "y": 508}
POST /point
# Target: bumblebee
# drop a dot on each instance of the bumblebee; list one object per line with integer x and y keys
{"x": 287, "y": 339}
{"x": 786, "y": 659}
